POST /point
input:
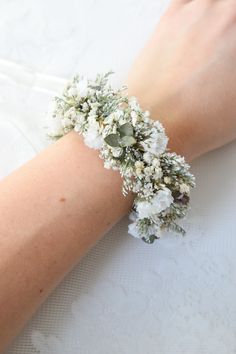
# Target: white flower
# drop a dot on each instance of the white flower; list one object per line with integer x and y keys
{"x": 71, "y": 113}
{"x": 122, "y": 120}
{"x": 137, "y": 186}
{"x": 56, "y": 128}
{"x": 94, "y": 105}
{"x": 158, "y": 173}
{"x": 156, "y": 143}
{"x": 134, "y": 117}
{"x": 66, "y": 122}
{"x": 138, "y": 172}
{"x": 92, "y": 138}
{"x": 148, "y": 170}
{"x": 72, "y": 91}
{"x": 85, "y": 107}
{"x": 82, "y": 87}
{"x": 134, "y": 230}
{"x": 148, "y": 157}
{"x": 107, "y": 164}
{"x": 167, "y": 179}
{"x": 128, "y": 172}
{"x": 117, "y": 152}
{"x": 158, "y": 203}
{"x": 110, "y": 164}
{"x": 133, "y": 216}
{"x": 184, "y": 188}
{"x": 92, "y": 122}
{"x": 154, "y": 229}
{"x": 159, "y": 126}
{"x": 139, "y": 165}
{"x": 156, "y": 162}
{"x": 80, "y": 118}
{"x": 133, "y": 103}
{"x": 133, "y": 114}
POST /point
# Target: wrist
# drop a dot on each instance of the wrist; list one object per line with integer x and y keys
{"x": 173, "y": 114}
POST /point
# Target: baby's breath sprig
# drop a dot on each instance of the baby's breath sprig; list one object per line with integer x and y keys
{"x": 132, "y": 143}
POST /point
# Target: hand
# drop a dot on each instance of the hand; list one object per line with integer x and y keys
{"x": 186, "y": 75}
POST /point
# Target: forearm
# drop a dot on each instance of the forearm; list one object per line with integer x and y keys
{"x": 53, "y": 209}
{"x": 58, "y": 205}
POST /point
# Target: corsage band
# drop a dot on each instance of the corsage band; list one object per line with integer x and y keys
{"x": 133, "y": 144}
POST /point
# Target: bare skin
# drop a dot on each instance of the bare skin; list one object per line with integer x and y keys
{"x": 186, "y": 77}
{"x": 59, "y": 205}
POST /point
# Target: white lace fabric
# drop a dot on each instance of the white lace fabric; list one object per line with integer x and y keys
{"x": 125, "y": 297}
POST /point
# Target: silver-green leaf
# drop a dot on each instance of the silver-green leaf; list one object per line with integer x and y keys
{"x": 127, "y": 141}
{"x": 126, "y": 129}
{"x": 112, "y": 140}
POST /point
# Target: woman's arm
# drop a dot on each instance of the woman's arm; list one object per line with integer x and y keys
{"x": 53, "y": 209}
{"x": 58, "y": 205}
{"x": 185, "y": 75}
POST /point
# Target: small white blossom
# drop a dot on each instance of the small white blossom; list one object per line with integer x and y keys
{"x": 184, "y": 188}
{"x": 156, "y": 143}
{"x": 92, "y": 137}
{"x": 66, "y": 122}
{"x": 94, "y": 105}
{"x": 133, "y": 103}
{"x": 107, "y": 164}
{"x": 122, "y": 120}
{"x": 154, "y": 229}
{"x": 117, "y": 152}
{"x": 158, "y": 173}
{"x": 156, "y": 162}
{"x": 56, "y": 128}
{"x": 159, "y": 202}
{"x": 139, "y": 165}
{"x": 148, "y": 157}
{"x": 139, "y": 172}
{"x": 72, "y": 91}
{"x": 137, "y": 186}
{"x": 110, "y": 119}
{"x": 148, "y": 170}
{"x": 82, "y": 87}
{"x": 71, "y": 113}
{"x": 158, "y": 126}
{"x": 85, "y": 106}
{"x": 147, "y": 189}
{"x": 134, "y": 117}
{"x": 133, "y": 230}
{"x": 167, "y": 179}
{"x": 129, "y": 172}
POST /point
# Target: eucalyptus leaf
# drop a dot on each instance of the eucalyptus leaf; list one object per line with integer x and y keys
{"x": 150, "y": 240}
{"x": 127, "y": 141}
{"x": 112, "y": 140}
{"x": 126, "y": 130}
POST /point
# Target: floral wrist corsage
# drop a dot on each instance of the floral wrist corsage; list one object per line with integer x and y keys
{"x": 133, "y": 144}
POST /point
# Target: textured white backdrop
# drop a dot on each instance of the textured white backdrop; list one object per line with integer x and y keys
{"x": 125, "y": 297}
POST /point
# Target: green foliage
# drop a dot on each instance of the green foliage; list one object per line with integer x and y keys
{"x": 112, "y": 140}
{"x": 127, "y": 141}
{"x": 126, "y": 130}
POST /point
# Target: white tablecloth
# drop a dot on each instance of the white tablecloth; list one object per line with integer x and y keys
{"x": 125, "y": 297}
